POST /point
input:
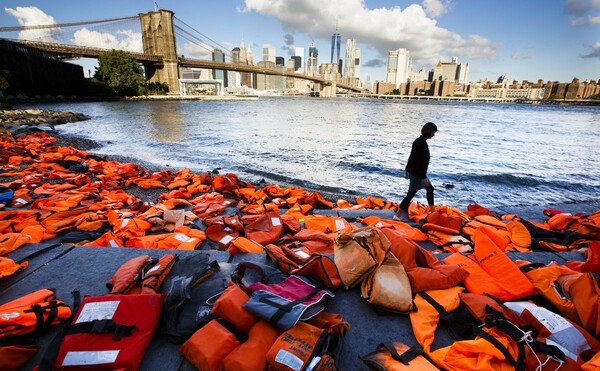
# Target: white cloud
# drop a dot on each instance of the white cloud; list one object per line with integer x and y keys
{"x": 435, "y": 8}
{"x": 128, "y": 40}
{"x": 197, "y": 51}
{"x": 583, "y": 12}
{"x": 33, "y": 16}
{"x": 382, "y": 29}
{"x": 517, "y": 55}
{"x": 594, "y": 53}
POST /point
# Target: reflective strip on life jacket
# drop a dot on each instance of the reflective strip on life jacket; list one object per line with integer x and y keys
{"x": 119, "y": 342}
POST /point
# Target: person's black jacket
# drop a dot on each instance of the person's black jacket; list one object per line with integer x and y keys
{"x": 418, "y": 161}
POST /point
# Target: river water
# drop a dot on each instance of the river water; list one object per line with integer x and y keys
{"x": 491, "y": 154}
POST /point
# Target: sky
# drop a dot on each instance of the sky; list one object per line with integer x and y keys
{"x": 552, "y": 40}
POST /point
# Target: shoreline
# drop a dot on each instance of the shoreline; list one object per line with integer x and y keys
{"x": 234, "y": 97}
{"x": 92, "y": 146}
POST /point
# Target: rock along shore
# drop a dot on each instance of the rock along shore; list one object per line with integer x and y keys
{"x": 36, "y": 117}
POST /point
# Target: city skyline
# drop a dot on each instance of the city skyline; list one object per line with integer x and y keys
{"x": 553, "y": 41}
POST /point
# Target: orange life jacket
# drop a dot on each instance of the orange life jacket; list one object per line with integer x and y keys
{"x": 8, "y": 267}
{"x": 229, "y": 306}
{"x": 397, "y": 356}
{"x": 424, "y": 270}
{"x": 552, "y": 282}
{"x": 264, "y": 229}
{"x": 388, "y": 286}
{"x": 481, "y": 353}
{"x": 32, "y": 313}
{"x": 358, "y": 252}
{"x": 182, "y": 238}
{"x": 326, "y": 224}
{"x": 300, "y": 262}
{"x": 407, "y": 230}
{"x": 209, "y": 355}
{"x": 491, "y": 271}
{"x": 141, "y": 275}
{"x": 244, "y": 245}
{"x": 585, "y": 292}
{"x": 252, "y": 354}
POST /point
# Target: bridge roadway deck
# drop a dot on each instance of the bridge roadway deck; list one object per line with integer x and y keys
{"x": 66, "y": 268}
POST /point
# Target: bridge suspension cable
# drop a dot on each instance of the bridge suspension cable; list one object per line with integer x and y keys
{"x": 201, "y": 40}
{"x": 59, "y": 25}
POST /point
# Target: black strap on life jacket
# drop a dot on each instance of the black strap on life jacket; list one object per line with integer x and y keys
{"x": 101, "y": 326}
{"x": 531, "y": 266}
{"x": 282, "y": 309}
{"x": 459, "y": 322}
{"x": 497, "y": 319}
{"x": 518, "y": 363}
{"x": 406, "y": 356}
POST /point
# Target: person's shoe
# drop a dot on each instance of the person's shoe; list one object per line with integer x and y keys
{"x": 398, "y": 216}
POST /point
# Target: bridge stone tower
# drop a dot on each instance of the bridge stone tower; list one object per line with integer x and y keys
{"x": 158, "y": 37}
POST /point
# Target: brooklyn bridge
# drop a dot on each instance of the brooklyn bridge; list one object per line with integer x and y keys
{"x": 161, "y": 34}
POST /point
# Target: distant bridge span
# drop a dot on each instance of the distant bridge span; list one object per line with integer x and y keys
{"x": 198, "y": 63}
{"x": 160, "y": 58}
{"x": 72, "y": 51}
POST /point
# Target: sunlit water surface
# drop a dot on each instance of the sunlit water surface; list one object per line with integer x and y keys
{"x": 491, "y": 154}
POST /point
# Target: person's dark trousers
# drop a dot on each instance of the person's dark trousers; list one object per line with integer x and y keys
{"x": 409, "y": 196}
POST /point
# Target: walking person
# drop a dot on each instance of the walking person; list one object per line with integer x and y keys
{"x": 416, "y": 169}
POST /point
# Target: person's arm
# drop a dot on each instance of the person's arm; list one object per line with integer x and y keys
{"x": 421, "y": 160}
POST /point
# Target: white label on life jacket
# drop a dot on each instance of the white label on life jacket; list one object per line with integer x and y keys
{"x": 291, "y": 360}
{"x": 124, "y": 222}
{"x": 20, "y": 201}
{"x": 112, "y": 243}
{"x": 226, "y": 239}
{"x": 8, "y": 316}
{"x": 315, "y": 361}
{"x": 339, "y": 225}
{"x": 379, "y": 225}
{"x": 90, "y": 358}
{"x": 276, "y": 222}
{"x": 181, "y": 237}
{"x": 155, "y": 268}
{"x": 98, "y": 310}
{"x": 302, "y": 254}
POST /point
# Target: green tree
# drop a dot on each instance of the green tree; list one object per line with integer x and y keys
{"x": 121, "y": 72}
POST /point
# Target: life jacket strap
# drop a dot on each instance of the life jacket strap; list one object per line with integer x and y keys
{"x": 405, "y": 357}
{"x": 285, "y": 308}
{"x": 102, "y": 326}
{"x": 518, "y": 363}
{"x": 496, "y": 319}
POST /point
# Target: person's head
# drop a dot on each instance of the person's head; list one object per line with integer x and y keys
{"x": 428, "y": 130}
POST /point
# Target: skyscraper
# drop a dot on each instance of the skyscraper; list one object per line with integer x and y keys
{"x": 268, "y": 53}
{"x": 352, "y": 63}
{"x": 335, "y": 47}
{"x": 312, "y": 66}
{"x": 398, "y": 68}
{"x": 219, "y": 56}
{"x": 299, "y": 52}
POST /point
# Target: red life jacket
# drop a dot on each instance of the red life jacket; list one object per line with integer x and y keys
{"x": 110, "y": 331}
